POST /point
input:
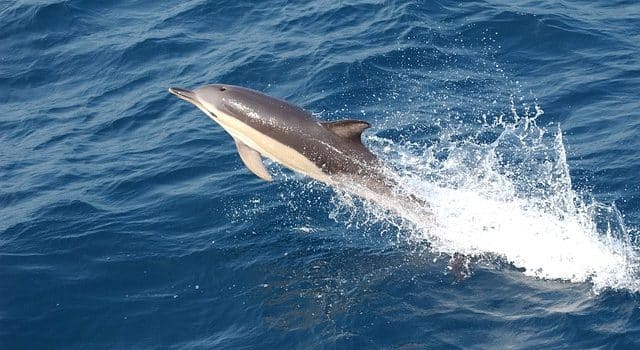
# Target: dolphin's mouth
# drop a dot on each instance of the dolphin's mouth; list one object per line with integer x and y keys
{"x": 184, "y": 94}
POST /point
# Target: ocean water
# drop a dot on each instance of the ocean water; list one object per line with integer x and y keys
{"x": 127, "y": 220}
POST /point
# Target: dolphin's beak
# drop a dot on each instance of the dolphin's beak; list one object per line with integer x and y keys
{"x": 191, "y": 97}
{"x": 184, "y": 94}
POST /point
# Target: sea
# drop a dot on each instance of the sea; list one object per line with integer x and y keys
{"x": 128, "y": 220}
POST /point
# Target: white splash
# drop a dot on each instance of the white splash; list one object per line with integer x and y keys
{"x": 511, "y": 197}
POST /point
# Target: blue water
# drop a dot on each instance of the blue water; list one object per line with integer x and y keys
{"x": 127, "y": 220}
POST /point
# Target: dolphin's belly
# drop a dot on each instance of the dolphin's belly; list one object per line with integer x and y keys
{"x": 272, "y": 148}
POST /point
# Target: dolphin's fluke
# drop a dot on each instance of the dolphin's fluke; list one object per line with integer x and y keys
{"x": 252, "y": 160}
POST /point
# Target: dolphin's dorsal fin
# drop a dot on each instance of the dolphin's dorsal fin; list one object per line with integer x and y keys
{"x": 348, "y": 129}
{"x": 252, "y": 160}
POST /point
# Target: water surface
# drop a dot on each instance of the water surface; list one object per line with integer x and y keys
{"x": 127, "y": 220}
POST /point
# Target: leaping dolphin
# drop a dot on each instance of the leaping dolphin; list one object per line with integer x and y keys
{"x": 264, "y": 126}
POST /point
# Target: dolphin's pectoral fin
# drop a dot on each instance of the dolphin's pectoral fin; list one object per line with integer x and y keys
{"x": 252, "y": 160}
{"x": 348, "y": 129}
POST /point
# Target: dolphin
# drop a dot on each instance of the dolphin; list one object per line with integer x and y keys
{"x": 265, "y": 126}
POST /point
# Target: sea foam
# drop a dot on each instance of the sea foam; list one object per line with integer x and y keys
{"x": 509, "y": 197}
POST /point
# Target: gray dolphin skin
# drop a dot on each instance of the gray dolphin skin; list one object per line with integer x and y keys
{"x": 264, "y": 126}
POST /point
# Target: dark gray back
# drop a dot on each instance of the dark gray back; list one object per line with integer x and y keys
{"x": 294, "y": 127}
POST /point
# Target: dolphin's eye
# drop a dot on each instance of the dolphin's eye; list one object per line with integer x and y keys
{"x": 222, "y": 88}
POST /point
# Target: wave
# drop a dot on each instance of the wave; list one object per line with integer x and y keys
{"x": 504, "y": 193}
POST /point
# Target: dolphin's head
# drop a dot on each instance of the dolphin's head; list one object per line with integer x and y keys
{"x": 229, "y": 103}
{"x": 211, "y": 99}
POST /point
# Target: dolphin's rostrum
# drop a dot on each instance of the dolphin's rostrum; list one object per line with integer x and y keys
{"x": 261, "y": 125}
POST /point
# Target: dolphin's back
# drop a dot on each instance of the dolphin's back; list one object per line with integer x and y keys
{"x": 300, "y": 130}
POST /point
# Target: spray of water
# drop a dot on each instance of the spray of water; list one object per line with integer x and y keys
{"x": 505, "y": 192}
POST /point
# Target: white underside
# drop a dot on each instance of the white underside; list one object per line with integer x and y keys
{"x": 265, "y": 145}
